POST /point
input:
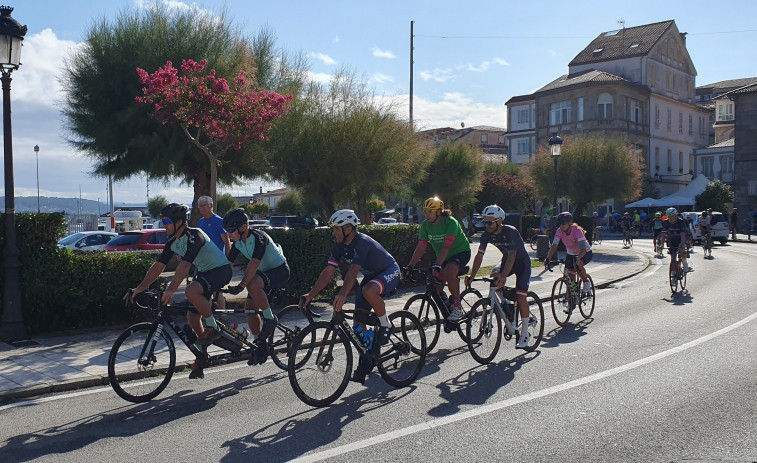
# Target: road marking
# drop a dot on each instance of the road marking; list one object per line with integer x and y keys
{"x": 439, "y": 422}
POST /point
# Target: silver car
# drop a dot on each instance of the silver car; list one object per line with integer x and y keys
{"x": 87, "y": 241}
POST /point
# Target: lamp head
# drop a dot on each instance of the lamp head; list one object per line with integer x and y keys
{"x": 555, "y": 145}
{"x": 11, "y": 35}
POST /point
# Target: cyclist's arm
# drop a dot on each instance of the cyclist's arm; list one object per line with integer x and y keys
{"x": 420, "y": 249}
{"x": 182, "y": 270}
{"x": 261, "y": 244}
{"x": 348, "y": 283}
{"x": 507, "y": 268}
{"x": 448, "y": 240}
{"x": 152, "y": 274}
{"x": 552, "y": 250}
{"x": 327, "y": 274}
{"x": 226, "y": 243}
{"x": 474, "y": 269}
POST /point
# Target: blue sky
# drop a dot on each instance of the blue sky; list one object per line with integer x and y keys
{"x": 470, "y": 58}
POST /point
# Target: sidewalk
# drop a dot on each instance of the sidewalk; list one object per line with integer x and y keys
{"x": 66, "y": 362}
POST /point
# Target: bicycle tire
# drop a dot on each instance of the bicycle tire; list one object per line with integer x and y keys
{"x": 323, "y": 377}
{"x": 123, "y": 366}
{"x": 534, "y": 242}
{"x": 401, "y": 360}
{"x": 292, "y": 321}
{"x": 673, "y": 277}
{"x": 484, "y": 331}
{"x": 426, "y": 311}
{"x": 586, "y": 305}
{"x": 469, "y": 297}
{"x": 682, "y": 278}
{"x": 561, "y": 302}
{"x": 535, "y": 323}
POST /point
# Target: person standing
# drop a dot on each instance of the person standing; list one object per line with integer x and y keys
{"x": 212, "y": 224}
{"x": 734, "y": 222}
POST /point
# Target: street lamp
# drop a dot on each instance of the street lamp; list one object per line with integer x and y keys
{"x": 36, "y": 152}
{"x": 555, "y": 146}
{"x": 11, "y": 35}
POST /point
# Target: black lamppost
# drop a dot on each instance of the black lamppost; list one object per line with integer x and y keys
{"x": 555, "y": 146}
{"x": 11, "y": 35}
{"x": 36, "y": 152}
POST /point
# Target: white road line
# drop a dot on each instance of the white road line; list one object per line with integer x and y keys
{"x": 439, "y": 422}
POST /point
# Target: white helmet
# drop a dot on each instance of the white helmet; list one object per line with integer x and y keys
{"x": 671, "y": 211}
{"x": 343, "y": 217}
{"x": 494, "y": 211}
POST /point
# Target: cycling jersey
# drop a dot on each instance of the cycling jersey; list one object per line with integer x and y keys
{"x": 573, "y": 242}
{"x": 437, "y": 234}
{"x": 194, "y": 247}
{"x": 365, "y": 252}
{"x": 674, "y": 231}
{"x": 259, "y": 246}
{"x": 507, "y": 240}
{"x": 625, "y": 223}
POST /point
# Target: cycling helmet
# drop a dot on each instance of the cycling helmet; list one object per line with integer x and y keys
{"x": 625, "y": 214}
{"x": 671, "y": 211}
{"x": 433, "y": 204}
{"x": 704, "y": 214}
{"x": 564, "y": 217}
{"x": 595, "y": 215}
{"x": 235, "y": 219}
{"x": 658, "y": 214}
{"x": 494, "y": 211}
{"x": 175, "y": 212}
{"x": 343, "y": 217}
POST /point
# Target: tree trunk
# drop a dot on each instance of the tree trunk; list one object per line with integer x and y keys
{"x": 201, "y": 186}
{"x": 580, "y": 206}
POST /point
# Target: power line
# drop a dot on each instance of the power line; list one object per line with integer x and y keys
{"x": 496, "y": 37}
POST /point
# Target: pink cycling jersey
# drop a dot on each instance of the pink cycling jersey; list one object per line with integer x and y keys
{"x": 572, "y": 242}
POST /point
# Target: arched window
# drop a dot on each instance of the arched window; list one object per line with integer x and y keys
{"x": 604, "y": 106}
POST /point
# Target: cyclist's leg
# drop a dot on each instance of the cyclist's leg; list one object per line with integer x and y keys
{"x": 370, "y": 297}
{"x": 582, "y": 271}
{"x": 522, "y": 281}
{"x": 451, "y": 271}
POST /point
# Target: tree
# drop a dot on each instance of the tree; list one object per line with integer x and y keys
{"x": 341, "y": 145}
{"x": 591, "y": 169}
{"x": 155, "y": 205}
{"x": 375, "y": 205}
{"x": 216, "y": 117}
{"x": 260, "y": 209}
{"x": 225, "y": 203}
{"x": 510, "y": 192}
{"x": 289, "y": 203}
{"x": 454, "y": 176}
{"x": 105, "y": 123}
{"x": 715, "y": 196}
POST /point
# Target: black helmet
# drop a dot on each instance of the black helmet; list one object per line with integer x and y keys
{"x": 234, "y": 219}
{"x": 175, "y": 212}
{"x": 564, "y": 217}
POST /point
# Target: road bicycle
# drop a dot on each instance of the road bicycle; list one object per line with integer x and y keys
{"x": 434, "y": 306}
{"x": 597, "y": 236}
{"x": 677, "y": 273}
{"x": 321, "y": 357}
{"x": 707, "y": 245}
{"x": 627, "y": 239}
{"x": 485, "y": 321}
{"x": 659, "y": 246}
{"x": 142, "y": 360}
{"x": 567, "y": 294}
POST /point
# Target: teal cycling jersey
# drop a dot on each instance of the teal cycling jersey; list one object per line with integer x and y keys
{"x": 195, "y": 247}
{"x": 259, "y": 246}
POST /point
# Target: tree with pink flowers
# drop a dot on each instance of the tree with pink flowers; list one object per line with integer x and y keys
{"x": 217, "y": 117}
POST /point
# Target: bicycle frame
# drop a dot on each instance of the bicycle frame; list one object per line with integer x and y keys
{"x": 507, "y": 299}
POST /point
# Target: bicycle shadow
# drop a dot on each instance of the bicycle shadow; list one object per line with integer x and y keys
{"x": 682, "y": 297}
{"x": 124, "y": 422}
{"x": 297, "y": 434}
{"x": 567, "y": 334}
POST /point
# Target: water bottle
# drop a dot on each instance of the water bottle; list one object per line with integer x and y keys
{"x": 241, "y": 329}
{"x": 368, "y": 339}
{"x": 359, "y": 332}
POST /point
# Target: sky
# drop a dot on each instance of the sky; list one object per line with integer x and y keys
{"x": 469, "y": 59}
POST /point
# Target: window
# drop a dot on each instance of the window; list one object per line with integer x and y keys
{"x": 636, "y": 75}
{"x": 670, "y": 119}
{"x": 523, "y": 146}
{"x": 680, "y": 162}
{"x": 670, "y": 160}
{"x": 691, "y": 124}
{"x": 725, "y": 111}
{"x": 636, "y": 111}
{"x": 501, "y": 140}
{"x": 707, "y": 166}
{"x": 484, "y": 139}
{"x": 656, "y": 116}
{"x": 604, "y": 106}
{"x": 752, "y": 188}
{"x": 692, "y": 163}
{"x": 522, "y": 116}
{"x": 652, "y": 75}
{"x": 701, "y": 125}
{"x": 656, "y": 158}
{"x": 560, "y": 113}
{"x": 726, "y": 165}
{"x": 680, "y": 122}
{"x": 580, "y": 115}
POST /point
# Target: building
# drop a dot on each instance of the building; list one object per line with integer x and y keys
{"x": 490, "y": 140}
{"x": 745, "y": 148}
{"x": 269, "y": 197}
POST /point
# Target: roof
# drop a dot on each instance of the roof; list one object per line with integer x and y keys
{"x": 732, "y": 83}
{"x": 520, "y": 99}
{"x": 486, "y": 128}
{"x": 725, "y": 143}
{"x": 591, "y": 75}
{"x": 746, "y": 89}
{"x": 622, "y": 43}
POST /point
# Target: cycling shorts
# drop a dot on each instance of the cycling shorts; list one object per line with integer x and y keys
{"x": 461, "y": 259}
{"x": 274, "y": 278}
{"x": 570, "y": 263}
{"x": 387, "y": 280}
{"x": 657, "y": 231}
{"x": 522, "y": 272}
{"x": 213, "y": 280}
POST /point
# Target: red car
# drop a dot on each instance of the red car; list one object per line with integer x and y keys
{"x": 138, "y": 240}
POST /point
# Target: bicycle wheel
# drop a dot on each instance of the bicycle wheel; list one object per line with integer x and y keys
{"x": 630, "y": 241}
{"x": 586, "y": 304}
{"x": 561, "y": 303}
{"x": 401, "y": 359}
{"x": 140, "y": 366}
{"x": 469, "y": 297}
{"x": 534, "y": 242}
{"x": 535, "y": 321}
{"x": 599, "y": 236}
{"x": 682, "y": 276}
{"x": 292, "y": 321}
{"x": 484, "y": 331}
{"x": 427, "y": 313}
{"x": 673, "y": 277}
{"x": 318, "y": 380}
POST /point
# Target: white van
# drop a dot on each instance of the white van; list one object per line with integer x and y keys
{"x": 719, "y": 226}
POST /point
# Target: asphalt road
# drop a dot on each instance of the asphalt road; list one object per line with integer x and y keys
{"x": 650, "y": 378}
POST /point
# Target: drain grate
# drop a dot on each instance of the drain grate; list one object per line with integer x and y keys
{"x": 22, "y": 343}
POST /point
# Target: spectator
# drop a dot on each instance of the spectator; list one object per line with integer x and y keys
{"x": 212, "y": 224}
{"x": 544, "y": 224}
{"x": 734, "y": 223}
{"x": 752, "y": 219}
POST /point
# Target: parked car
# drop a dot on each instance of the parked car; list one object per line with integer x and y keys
{"x": 719, "y": 226}
{"x": 292, "y": 221}
{"x": 138, "y": 240}
{"x": 87, "y": 241}
{"x": 389, "y": 221}
{"x": 257, "y": 223}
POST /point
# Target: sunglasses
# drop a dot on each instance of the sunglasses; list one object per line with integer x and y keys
{"x": 490, "y": 222}
{"x": 231, "y": 231}
{"x": 167, "y": 221}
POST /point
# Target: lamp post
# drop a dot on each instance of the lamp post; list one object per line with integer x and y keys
{"x": 11, "y": 35}
{"x": 36, "y": 152}
{"x": 555, "y": 146}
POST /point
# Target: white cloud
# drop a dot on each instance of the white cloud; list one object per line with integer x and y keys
{"x": 438, "y": 75}
{"x": 335, "y": 39}
{"x": 325, "y": 59}
{"x": 173, "y": 5}
{"x": 501, "y": 62}
{"x": 320, "y": 77}
{"x": 484, "y": 66}
{"x": 379, "y": 53}
{"x": 380, "y": 78}
{"x": 453, "y": 109}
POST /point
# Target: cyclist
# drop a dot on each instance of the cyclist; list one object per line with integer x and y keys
{"x": 636, "y": 223}
{"x": 574, "y": 239}
{"x": 656, "y": 226}
{"x": 676, "y": 229}
{"x": 515, "y": 261}
{"x": 381, "y": 274}
{"x": 266, "y": 271}
{"x": 705, "y": 225}
{"x": 214, "y": 272}
{"x": 596, "y": 224}
{"x": 451, "y": 246}
{"x": 625, "y": 225}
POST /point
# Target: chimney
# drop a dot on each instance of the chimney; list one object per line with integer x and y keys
{"x": 683, "y": 37}
{"x": 261, "y": 190}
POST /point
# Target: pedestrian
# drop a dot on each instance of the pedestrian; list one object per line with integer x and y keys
{"x": 750, "y": 225}
{"x": 212, "y": 224}
{"x": 734, "y": 222}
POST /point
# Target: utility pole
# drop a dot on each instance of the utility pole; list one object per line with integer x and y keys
{"x": 411, "y": 74}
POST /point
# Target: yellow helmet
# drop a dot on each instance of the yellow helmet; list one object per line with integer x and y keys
{"x": 433, "y": 204}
